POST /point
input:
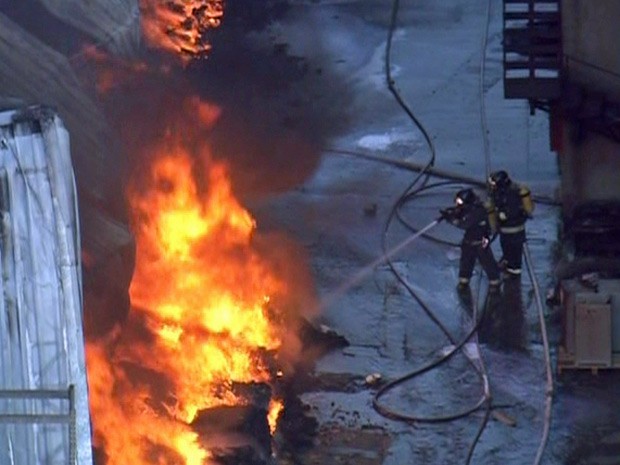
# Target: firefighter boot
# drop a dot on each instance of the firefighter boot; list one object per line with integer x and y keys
{"x": 512, "y": 274}
{"x": 494, "y": 285}
{"x": 463, "y": 284}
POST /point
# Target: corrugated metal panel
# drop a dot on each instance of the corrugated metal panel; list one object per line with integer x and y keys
{"x": 35, "y": 73}
{"x": 114, "y": 24}
{"x": 41, "y": 338}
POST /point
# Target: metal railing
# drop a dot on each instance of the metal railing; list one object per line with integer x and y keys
{"x": 532, "y": 49}
{"x": 68, "y": 418}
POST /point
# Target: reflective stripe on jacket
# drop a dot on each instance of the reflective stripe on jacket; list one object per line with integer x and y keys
{"x": 512, "y": 229}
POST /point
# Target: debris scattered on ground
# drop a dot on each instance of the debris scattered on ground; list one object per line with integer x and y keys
{"x": 503, "y": 418}
{"x": 370, "y": 209}
{"x": 373, "y": 378}
{"x": 320, "y": 336}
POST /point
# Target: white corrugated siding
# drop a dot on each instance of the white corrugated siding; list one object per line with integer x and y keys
{"x": 41, "y": 339}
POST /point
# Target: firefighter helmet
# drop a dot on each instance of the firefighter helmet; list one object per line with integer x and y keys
{"x": 499, "y": 180}
{"x": 465, "y": 197}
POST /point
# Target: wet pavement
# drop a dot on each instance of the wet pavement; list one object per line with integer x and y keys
{"x": 339, "y": 216}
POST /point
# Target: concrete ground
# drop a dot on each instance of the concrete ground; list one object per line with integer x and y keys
{"x": 339, "y": 214}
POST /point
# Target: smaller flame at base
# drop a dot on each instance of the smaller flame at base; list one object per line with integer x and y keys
{"x": 275, "y": 408}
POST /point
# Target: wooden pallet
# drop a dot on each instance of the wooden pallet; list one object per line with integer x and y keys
{"x": 567, "y": 361}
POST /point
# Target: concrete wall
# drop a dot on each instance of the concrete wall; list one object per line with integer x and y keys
{"x": 590, "y": 163}
{"x": 590, "y": 36}
{"x": 589, "y": 170}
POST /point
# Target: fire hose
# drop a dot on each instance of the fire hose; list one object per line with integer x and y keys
{"x": 456, "y": 347}
{"x": 427, "y": 170}
{"x": 475, "y": 361}
{"x": 432, "y": 171}
{"x": 459, "y": 346}
{"x": 424, "y": 174}
{"x": 546, "y": 350}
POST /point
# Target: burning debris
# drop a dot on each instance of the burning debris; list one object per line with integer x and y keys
{"x": 297, "y": 429}
{"x": 214, "y": 329}
{"x": 238, "y": 432}
{"x": 321, "y": 338}
{"x": 211, "y": 329}
{"x": 181, "y": 26}
{"x": 203, "y": 322}
{"x": 373, "y": 379}
{"x": 200, "y": 370}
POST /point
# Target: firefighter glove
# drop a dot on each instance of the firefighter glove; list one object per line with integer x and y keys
{"x": 446, "y": 214}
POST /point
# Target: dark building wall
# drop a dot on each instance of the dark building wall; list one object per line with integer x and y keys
{"x": 589, "y": 161}
{"x": 590, "y": 40}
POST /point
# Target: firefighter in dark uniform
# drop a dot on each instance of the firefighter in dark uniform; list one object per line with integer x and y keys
{"x": 471, "y": 215}
{"x": 510, "y": 205}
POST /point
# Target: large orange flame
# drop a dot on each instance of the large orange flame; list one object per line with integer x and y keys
{"x": 202, "y": 288}
{"x": 180, "y": 26}
{"x": 202, "y": 316}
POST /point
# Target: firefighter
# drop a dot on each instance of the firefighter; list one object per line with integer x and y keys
{"x": 471, "y": 215}
{"x": 510, "y": 205}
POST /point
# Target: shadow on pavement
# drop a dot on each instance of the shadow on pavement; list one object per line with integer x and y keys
{"x": 503, "y": 323}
